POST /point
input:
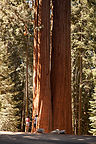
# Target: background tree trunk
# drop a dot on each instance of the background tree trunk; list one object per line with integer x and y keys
{"x": 61, "y": 66}
{"x": 80, "y": 95}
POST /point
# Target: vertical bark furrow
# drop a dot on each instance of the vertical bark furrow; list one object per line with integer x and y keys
{"x": 43, "y": 67}
{"x": 61, "y": 69}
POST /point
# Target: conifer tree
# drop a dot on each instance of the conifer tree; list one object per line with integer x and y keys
{"x": 92, "y": 7}
{"x": 61, "y": 66}
{"x": 42, "y": 67}
{"x": 14, "y": 16}
{"x": 82, "y": 52}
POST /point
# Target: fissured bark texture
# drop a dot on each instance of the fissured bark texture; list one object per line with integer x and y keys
{"x": 42, "y": 99}
{"x": 61, "y": 66}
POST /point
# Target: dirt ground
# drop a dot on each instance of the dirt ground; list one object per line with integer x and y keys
{"x": 28, "y": 138}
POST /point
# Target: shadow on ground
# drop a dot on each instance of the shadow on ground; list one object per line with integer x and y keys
{"x": 27, "y": 138}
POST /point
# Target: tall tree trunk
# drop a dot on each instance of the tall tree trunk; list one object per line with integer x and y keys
{"x": 61, "y": 66}
{"x": 43, "y": 67}
{"x": 26, "y": 107}
{"x": 80, "y": 77}
{"x": 35, "y": 61}
{"x": 23, "y": 114}
{"x": 80, "y": 95}
{"x": 27, "y": 80}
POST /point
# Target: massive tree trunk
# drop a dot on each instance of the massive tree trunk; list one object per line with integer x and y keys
{"x": 61, "y": 66}
{"x": 35, "y": 62}
{"x": 43, "y": 94}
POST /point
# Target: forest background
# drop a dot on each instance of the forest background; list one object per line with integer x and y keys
{"x": 16, "y": 63}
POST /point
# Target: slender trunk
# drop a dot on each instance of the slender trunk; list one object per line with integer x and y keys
{"x": 27, "y": 80}
{"x": 80, "y": 95}
{"x": 23, "y": 114}
{"x": 80, "y": 78}
{"x": 61, "y": 66}
{"x": 26, "y": 90}
{"x": 77, "y": 97}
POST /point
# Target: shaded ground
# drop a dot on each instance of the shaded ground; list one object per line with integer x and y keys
{"x": 27, "y": 138}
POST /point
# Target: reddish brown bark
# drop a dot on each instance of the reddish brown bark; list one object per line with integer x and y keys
{"x": 43, "y": 94}
{"x": 35, "y": 62}
{"x": 61, "y": 66}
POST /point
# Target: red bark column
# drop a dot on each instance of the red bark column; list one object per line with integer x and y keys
{"x": 43, "y": 95}
{"x": 35, "y": 62}
{"x": 61, "y": 66}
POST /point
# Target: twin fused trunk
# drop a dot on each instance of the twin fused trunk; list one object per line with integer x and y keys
{"x": 52, "y": 74}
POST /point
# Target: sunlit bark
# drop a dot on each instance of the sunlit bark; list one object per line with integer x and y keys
{"x": 35, "y": 61}
{"x": 43, "y": 68}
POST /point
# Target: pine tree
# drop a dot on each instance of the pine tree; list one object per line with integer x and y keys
{"x": 82, "y": 52}
{"x": 7, "y": 119}
{"x": 92, "y": 7}
{"x": 14, "y": 16}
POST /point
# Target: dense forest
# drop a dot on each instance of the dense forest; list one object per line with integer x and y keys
{"x": 48, "y": 65}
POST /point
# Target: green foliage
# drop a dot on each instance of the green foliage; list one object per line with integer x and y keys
{"x": 83, "y": 48}
{"x": 93, "y": 102}
{"x": 0, "y": 105}
{"x": 93, "y": 115}
{"x": 14, "y": 15}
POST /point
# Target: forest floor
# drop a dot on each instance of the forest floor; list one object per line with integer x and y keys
{"x": 28, "y": 138}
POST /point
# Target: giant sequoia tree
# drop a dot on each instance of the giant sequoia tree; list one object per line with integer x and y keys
{"x": 55, "y": 100}
{"x": 42, "y": 98}
{"x": 61, "y": 66}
